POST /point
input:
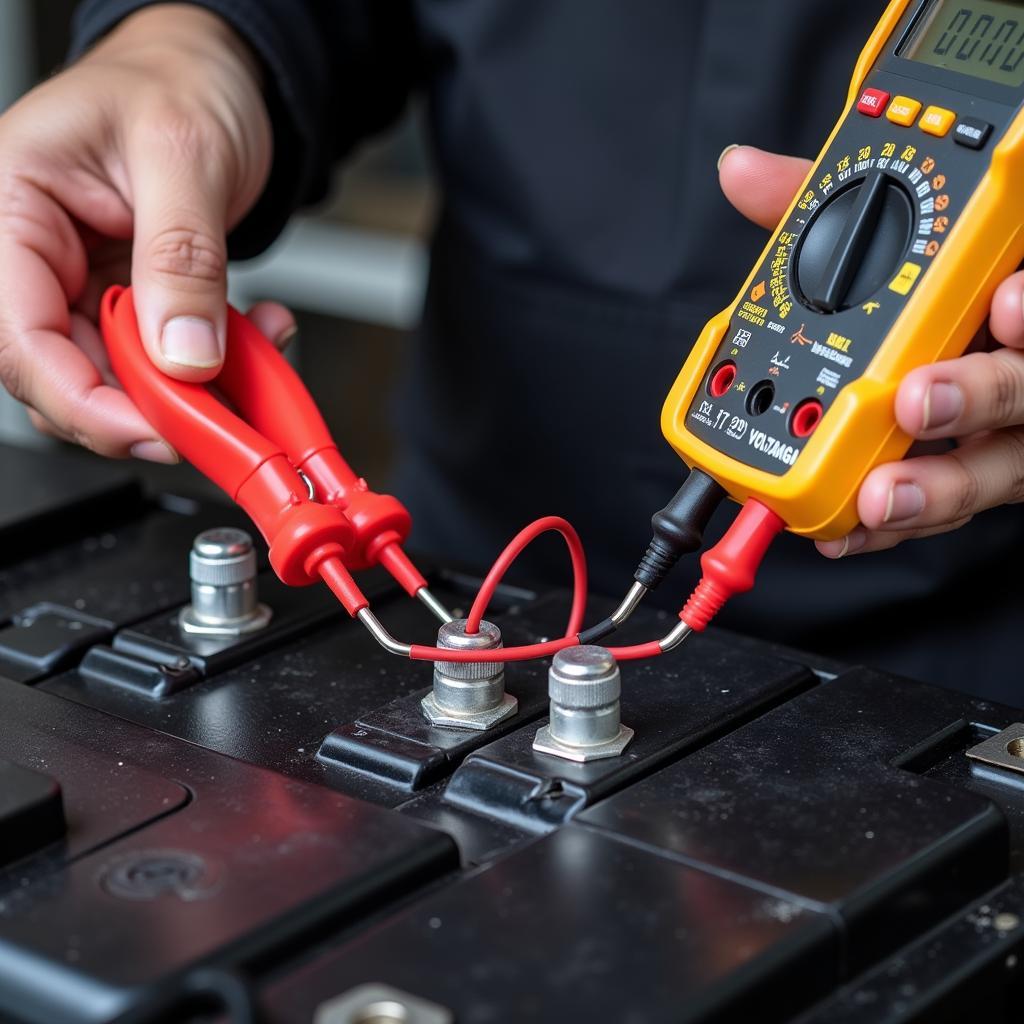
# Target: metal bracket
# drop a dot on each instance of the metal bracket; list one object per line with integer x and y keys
{"x": 1004, "y": 750}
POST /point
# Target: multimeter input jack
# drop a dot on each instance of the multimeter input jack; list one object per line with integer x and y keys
{"x": 760, "y": 399}
{"x": 722, "y": 379}
{"x": 805, "y": 418}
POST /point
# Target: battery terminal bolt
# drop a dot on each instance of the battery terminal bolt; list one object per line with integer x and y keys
{"x": 584, "y": 686}
{"x": 469, "y": 694}
{"x": 225, "y": 601}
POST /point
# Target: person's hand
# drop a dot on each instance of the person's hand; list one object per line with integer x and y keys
{"x": 130, "y": 165}
{"x": 976, "y": 400}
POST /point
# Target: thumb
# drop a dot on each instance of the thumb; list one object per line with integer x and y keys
{"x": 179, "y": 261}
{"x": 761, "y": 185}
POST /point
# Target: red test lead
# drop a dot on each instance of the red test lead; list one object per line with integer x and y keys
{"x": 729, "y": 568}
{"x": 529, "y": 652}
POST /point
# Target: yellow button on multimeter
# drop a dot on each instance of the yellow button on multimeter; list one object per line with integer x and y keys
{"x": 887, "y": 260}
{"x": 905, "y": 279}
{"x": 903, "y": 111}
{"x": 937, "y": 121}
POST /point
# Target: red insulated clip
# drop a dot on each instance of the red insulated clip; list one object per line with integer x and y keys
{"x": 258, "y": 463}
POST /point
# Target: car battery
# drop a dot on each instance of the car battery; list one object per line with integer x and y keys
{"x": 262, "y": 822}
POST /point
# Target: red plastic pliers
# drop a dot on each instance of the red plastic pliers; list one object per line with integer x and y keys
{"x": 276, "y": 458}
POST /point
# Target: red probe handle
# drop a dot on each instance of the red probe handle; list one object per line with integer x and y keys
{"x": 730, "y": 567}
{"x": 253, "y": 470}
{"x": 253, "y": 369}
{"x": 272, "y": 398}
{"x": 201, "y": 428}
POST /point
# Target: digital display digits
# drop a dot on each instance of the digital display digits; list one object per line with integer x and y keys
{"x": 984, "y": 39}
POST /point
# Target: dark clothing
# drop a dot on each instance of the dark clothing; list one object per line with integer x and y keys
{"x": 582, "y": 245}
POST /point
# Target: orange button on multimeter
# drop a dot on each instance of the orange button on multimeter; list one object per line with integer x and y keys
{"x": 937, "y": 121}
{"x": 903, "y": 111}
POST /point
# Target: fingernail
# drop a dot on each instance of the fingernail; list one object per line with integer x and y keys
{"x": 154, "y": 451}
{"x": 854, "y": 542}
{"x": 286, "y": 337}
{"x": 849, "y": 545}
{"x": 943, "y": 404}
{"x": 191, "y": 341}
{"x": 726, "y": 152}
{"x": 905, "y": 502}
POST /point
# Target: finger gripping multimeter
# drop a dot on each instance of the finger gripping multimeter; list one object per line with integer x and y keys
{"x": 887, "y": 260}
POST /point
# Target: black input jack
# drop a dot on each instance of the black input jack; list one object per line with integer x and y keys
{"x": 760, "y": 399}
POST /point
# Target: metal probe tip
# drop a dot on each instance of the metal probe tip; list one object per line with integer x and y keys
{"x": 636, "y": 594}
{"x": 675, "y": 638}
{"x": 381, "y": 635}
{"x": 605, "y": 627}
{"x": 436, "y": 608}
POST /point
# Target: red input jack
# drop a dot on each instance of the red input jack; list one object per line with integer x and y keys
{"x": 806, "y": 417}
{"x": 722, "y": 379}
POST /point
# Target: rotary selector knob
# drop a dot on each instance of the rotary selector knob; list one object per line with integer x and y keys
{"x": 854, "y": 244}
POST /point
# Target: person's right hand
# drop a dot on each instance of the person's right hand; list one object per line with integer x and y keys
{"x": 135, "y": 161}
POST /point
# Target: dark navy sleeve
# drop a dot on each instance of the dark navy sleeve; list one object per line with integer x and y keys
{"x": 336, "y": 72}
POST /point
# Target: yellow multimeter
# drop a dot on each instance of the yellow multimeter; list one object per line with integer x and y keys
{"x": 887, "y": 260}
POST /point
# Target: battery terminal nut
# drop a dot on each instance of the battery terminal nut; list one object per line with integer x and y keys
{"x": 225, "y": 600}
{"x": 469, "y": 695}
{"x": 584, "y": 686}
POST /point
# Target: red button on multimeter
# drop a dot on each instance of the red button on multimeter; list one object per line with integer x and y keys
{"x": 873, "y": 102}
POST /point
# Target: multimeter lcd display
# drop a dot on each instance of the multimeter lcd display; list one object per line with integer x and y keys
{"x": 983, "y": 39}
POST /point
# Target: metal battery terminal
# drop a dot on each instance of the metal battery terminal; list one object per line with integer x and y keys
{"x": 1003, "y": 750}
{"x": 584, "y": 685}
{"x": 468, "y": 695}
{"x": 225, "y": 601}
{"x": 380, "y": 1004}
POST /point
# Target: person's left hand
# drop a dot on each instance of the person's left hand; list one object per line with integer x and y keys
{"x": 976, "y": 400}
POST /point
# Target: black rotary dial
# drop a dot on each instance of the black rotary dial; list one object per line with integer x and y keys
{"x": 855, "y": 243}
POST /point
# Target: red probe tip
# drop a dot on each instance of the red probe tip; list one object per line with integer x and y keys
{"x": 401, "y": 568}
{"x": 729, "y": 568}
{"x": 333, "y": 572}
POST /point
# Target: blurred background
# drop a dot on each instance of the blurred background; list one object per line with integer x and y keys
{"x": 353, "y": 269}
